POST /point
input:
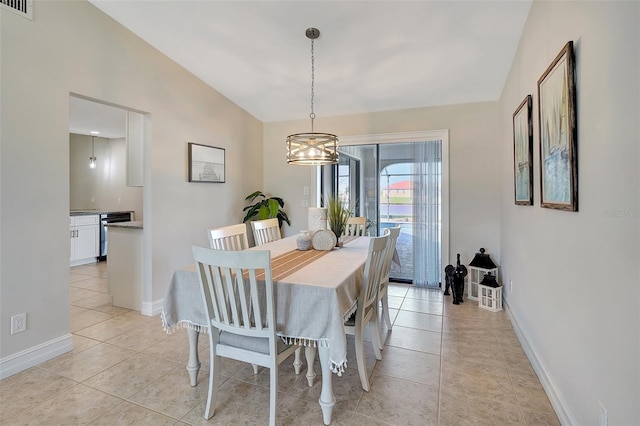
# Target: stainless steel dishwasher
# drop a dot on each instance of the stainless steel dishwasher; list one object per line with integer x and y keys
{"x": 105, "y": 219}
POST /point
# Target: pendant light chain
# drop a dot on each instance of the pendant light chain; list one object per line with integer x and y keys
{"x": 312, "y": 115}
{"x": 313, "y": 148}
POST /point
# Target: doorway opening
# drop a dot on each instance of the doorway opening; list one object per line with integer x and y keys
{"x": 399, "y": 180}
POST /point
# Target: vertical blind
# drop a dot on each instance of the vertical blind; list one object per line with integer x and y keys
{"x": 427, "y": 220}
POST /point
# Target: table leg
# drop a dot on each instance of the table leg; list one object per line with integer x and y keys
{"x": 310, "y": 355}
{"x": 193, "y": 367}
{"x": 327, "y": 399}
{"x": 296, "y": 361}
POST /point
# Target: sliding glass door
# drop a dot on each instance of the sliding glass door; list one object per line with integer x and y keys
{"x": 397, "y": 184}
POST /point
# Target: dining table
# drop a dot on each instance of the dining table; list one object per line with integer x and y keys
{"x": 316, "y": 291}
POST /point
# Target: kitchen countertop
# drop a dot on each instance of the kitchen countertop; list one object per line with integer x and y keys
{"x": 131, "y": 225}
{"x": 89, "y": 212}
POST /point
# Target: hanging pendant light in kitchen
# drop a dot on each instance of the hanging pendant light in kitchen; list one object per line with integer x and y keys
{"x": 92, "y": 159}
{"x": 312, "y": 148}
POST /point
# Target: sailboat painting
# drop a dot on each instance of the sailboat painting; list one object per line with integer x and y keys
{"x": 523, "y": 153}
{"x": 557, "y": 132}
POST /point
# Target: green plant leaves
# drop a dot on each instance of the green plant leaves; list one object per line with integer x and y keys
{"x": 264, "y": 207}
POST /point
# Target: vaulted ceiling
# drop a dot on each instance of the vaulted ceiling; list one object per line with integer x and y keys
{"x": 370, "y": 56}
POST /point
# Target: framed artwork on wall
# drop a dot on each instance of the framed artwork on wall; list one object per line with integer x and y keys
{"x": 206, "y": 163}
{"x": 523, "y": 152}
{"x": 558, "y": 133}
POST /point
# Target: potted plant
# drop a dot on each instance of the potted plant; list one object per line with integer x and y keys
{"x": 337, "y": 215}
{"x": 264, "y": 207}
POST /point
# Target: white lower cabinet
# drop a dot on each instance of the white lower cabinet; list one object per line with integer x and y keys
{"x": 84, "y": 233}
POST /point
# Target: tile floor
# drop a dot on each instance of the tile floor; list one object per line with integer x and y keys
{"x": 442, "y": 365}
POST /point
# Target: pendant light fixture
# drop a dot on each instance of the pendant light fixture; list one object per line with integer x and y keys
{"x": 92, "y": 159}
{"x": 312, "y": 148}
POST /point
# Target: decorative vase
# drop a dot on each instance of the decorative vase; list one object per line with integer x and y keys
{"x": 317, "y": 219}
{"x": 324, "y": 239}
{"x": 303, "y": 241}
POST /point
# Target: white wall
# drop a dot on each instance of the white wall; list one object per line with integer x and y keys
{"x": 474, "y": 153}
{"x": 105, "y": 187}
{"x": 575, "y": 295}
{"x": 72, "y": 47}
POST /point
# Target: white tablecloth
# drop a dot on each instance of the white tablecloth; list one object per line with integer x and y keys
{"x": 312, "y": 303}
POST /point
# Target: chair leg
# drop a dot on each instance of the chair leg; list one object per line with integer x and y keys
{"x": 374, "y": 326}
{"x": 387, "y": 319}
{"x": 362, "y": 366}
{"x": 214, "y": 381}
{"x": 273, "y": 395}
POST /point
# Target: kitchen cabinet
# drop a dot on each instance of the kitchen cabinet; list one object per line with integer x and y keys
{"x": 84, "y": 233}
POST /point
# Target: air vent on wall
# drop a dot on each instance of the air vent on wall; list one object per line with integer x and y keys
{"x": 21, "y": 7}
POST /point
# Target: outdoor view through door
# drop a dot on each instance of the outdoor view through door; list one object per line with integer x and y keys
{"x": 396, "y": 184}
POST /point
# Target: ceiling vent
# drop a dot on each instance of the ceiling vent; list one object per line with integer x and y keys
{"x": 21, "y": 7}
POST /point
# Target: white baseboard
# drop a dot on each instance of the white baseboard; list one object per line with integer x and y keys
{"x": 558, "y": 403}
{"x": 152, "y": 309}
{"x": 35, "y": 355}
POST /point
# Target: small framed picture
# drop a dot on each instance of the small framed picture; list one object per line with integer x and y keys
{"x": 523, "y": 153}
{"x": 206, "y": 163}
{"x": 558, "y": 133}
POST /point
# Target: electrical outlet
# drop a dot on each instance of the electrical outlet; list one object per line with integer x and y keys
{"x": 305, "y": 190}
{"x": 305, "y": 203}
{"x": 18, "y": 323}
{"x": 604, "y": 420}
{"x": 119, "y": 200}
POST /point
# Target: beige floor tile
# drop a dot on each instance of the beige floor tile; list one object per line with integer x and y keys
{"x": 419, "y": 320}
{"x": 141, "y": 336}
{"x": 410, "y": 365}
{"x": 82, "y": 365}
{"x": 530, "y": 393}
{"x": 130, "y": 375}
{"x": 423, "y": 306}
{"x": 238, "y": 403}
{"x": 400, "y": 402}
{"x": 76, "y": 406}
{"x": 75, "y": 277}
{"x": 286, "y": 376}
{"x": 93, "y": 302}
{"x": 112, "y": 310}
{"x": 126, "y": 413}
{"x": 108, "y": 329}
{"x": 296, "y": 411}
{"x": 456, "y": 410}
{"x": 395, "y": 302}
{"x": 362, "y": 420}
{"x": 398, "y": 290}
{"x": 476, "y": 350}
{"x": 92, "y": 283}
{"x": 425, "y": 294}
{"x": 77, "y": 294}
{"x": 540, "y": 418}
{"x": 414, "y": 339}
{"x": 468, "y": 379}
{"x": 82, "y": 343}
{"x": 23, "y": 391}
{"x": 84, "y": 318}
{"x": 172, "y": 394}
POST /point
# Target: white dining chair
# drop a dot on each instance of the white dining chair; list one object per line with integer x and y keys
{"x": 367, "y": 310}
{"x": 265, "y": 231}
{"x": 233, "y": 237}
{"x": 383, "y": 293}
{"x": 238, "y": 295}
{"x": 356, "y": 226}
